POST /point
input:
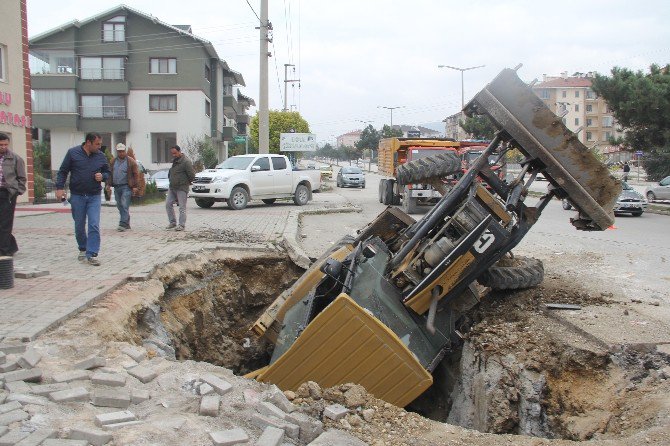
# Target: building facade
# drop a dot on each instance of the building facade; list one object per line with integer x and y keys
{"x": 452, "y": 128}
{"x": 136, "y": 80}
{"x": 417, "y": 131}
{"x": 349, "y": 139}
{"x": 15, "y": 110}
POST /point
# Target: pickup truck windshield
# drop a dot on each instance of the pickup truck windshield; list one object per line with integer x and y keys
{"x": 235, "y": 163}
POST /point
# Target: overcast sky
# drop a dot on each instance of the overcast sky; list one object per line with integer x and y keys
{"x": 354, "y": 56}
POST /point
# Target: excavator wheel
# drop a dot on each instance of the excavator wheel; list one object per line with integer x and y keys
{"x": 434, "y": 166}
{"x": 513, "y": 273}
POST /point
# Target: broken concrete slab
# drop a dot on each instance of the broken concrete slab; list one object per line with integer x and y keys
{"x": 229, "y": 437}
{"x": 205, "y": 389}
{"x": 209, "y": 405}
{"x": 220, "y": 385}
{"x": 91, "y": 363}
{"x": 108, "y": 379}
{"x": 70, "y": 395}
{"x": 142, "y": 373}
{"x": 118, "y": 398}
{"x": 91, "y": 435}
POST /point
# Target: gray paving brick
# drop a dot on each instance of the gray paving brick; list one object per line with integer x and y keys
{"x": 269, "y": 409}
{"x": 271, "y": 436}
{"x": 209, "y": 405}
{"x": 229, "y": 437}
{"x": 61, "y": 442}
{"x": 12, "y": 347}
{"x": 220, "y": 385}
{"x": 3, "y": 430}
{"x": 31, "y": 375}
{"x": 117, "y": 426}
{"x": 12, "y": 437}
{"x": 138, "y": 396}
{"x": 37, "y": 437}
{"x": 142, "y": 373}
{"x": 337, "y": 437}
{"x": 93, "y": 436}
{"x": 91, "y": 363}
{"x": 137, "y": 353}
{"x": 27, "y": 399}
{"x": 70, "y": 395}
{"x": 118, "y": 398}
{"x": 123, "y": 416}
{"x": 3, "y": 358}
{"x": 205, "y": 389}
{"x": 8, "y": 407}
{"x": 310, "y": 428}
{"x": 335, "y": 411}
{"x": 262, "y": 421}
{"x": 277, "y": 397}
{"x": 17, "y": 387}
{"x": 29, "y": 359}
{"x": 45, "y": 389}
{"x": 9, "y": 365}
{"x": 71, "y": 375}
{"x": 108, "y": 379}
{"x": 14, "y": 415}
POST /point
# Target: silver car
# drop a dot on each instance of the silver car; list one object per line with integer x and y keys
{"x": 630, "y": 201}
{"x": 161, "y": 180}
{"x": 660, "y": 191}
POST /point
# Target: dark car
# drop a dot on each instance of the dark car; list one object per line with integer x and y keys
{"x": 351, "y": 176}
{"x": 630, "y": 201}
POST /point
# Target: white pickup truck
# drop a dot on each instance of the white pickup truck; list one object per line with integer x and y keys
{"x": 242, "y": 178}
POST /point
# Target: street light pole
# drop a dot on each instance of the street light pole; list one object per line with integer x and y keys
{"x": 462, "y": 70}
{"x": 391, "y": 108}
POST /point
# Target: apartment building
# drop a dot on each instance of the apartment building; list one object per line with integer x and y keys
{"x": 15, "y": 113}
{"x": 582, "y": 110}
{"x": 349, "y": 139}
{"x": 417, "y": 131}
{"x": 452, "y": 128}
{"x": 136, "y": 80}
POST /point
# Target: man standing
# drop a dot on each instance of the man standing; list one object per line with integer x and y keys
{"x": 181, "y": 175}
{"x": 626, "y": 171}
{"x": 125, "y": 178}
{"x": 87, "y": 167}
{"x": 12, "y": 184}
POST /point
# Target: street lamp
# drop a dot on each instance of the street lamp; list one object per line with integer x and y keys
{"x": 391, "y": 108}
{"x": 462, "y": 70}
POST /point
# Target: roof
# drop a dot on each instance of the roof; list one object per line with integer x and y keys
{"x": 352, "y": 133}
{"x": 568, "y": 82}
{"x": 243, "y": 98}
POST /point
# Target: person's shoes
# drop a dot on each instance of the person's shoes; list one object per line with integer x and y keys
{"x": 93, "y": 261}
{"x": 179, "y": 228}
{"x": 121, "y": 228}
{"x": 171, "y": 226}
{"x": 81, "y": 256}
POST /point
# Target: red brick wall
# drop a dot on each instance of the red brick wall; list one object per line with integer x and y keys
{"x": 26, "y": 100}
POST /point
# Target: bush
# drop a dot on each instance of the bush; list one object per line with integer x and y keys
{"x": 39, "y": 186}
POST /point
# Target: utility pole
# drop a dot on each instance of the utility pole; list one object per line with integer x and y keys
{"x": 286, "y": 82}
{"x": 462, "y": 70}
{"x": 390, "y": 108}
{"x": 263, "y": 100}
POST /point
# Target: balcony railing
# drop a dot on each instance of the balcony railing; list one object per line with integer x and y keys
{"x": 102, "y": 74}
{"x": 106, "y": 112}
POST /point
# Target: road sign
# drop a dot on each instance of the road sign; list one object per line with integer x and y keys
{"x": 297, "y": 142}
{"x": 639, "y": 153}
{"x": 240, "y": 139}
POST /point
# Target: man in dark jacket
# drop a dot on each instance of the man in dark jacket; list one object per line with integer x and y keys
{"x": 181, "y": 175}
{"x": 12, "y": 184}
{"x": 88, "y": 168}
{"x": 125, "y": 177}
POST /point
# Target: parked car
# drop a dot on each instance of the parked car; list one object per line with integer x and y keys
{"x": 660, "y": 191}
{"x": 326, "y": 171}
{"x": 350, "y": 176}
{"x": 160, "y": 178}
{"x": 630, "y": 201}
{"x": 311, "y": 165}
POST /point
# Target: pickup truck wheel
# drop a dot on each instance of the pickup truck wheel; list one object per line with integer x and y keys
{"x": 269, "y": 200}
{"x": 435, "y": 166}
{"x": 301, "y": 196}
{"x": 238, "y": 198}
{"x": 204, "y": 202}
{"x": 513, "y": 273}
{"x": 566, "y": 204}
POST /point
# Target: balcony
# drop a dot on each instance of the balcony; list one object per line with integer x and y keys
{"x": 231, "y": 108}
{"x": 105, "y": 111}
{"x": 228, "y": 133}
{"x": 55, "y": 120}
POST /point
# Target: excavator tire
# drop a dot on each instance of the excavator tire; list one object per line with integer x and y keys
{"x": 513, "y": 273}
{"x": 434, "y": 166}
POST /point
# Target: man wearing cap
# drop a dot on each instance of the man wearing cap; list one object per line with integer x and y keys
{"x": 125, "y": 178}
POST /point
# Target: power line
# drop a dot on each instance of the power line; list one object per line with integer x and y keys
{"x": 276, "y": 69}
{"x": 252, "y": 10}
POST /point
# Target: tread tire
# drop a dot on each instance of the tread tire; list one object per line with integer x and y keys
{"x": 301, "y": 195}
{"x": 434, "y": 166}
{"x": 204, "y": 202}
{"x": 239, "y": 198}
{"x": 527, "y": 273}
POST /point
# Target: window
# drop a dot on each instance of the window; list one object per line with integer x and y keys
{"x": 576, "y": 121}
{"x": 208, "y": 73}
{"x": 162, "y": 102}
{"x": 589, "y": 108}
{"x": 263, "y": 163}
{"x": 108, "y": 106}
{"x": 54, "y": 101}
{"x": 208, "y": 108}
{"x": 114, "y": 29}
{"x": 564, "y": 94}
{"x": 589, "y": 122}
{"x": 544, "y": 93}
{"x": 163, "y": 65}
{"x": 3, "y": 58}
{"x": 608, "y": 121}
{"x": 576, "y": 93}
{"x": 590, "y": 94}
{"x": 278, "y": 163}
{"x": 160, "y": 147}
{"x": 607, "y": 136}
{"x": 97, "y": 68}
{"x": 589, "y": 136}
{"x": 576, "y": 107}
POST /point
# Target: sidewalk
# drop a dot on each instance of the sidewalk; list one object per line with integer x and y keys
{"x": 45, "y": 234}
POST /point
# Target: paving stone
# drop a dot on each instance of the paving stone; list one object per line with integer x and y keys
{"x": 337, "y": 437}
{"x": 31, "y": 375}
{"x": 142, "y": 373}
{"x": 71, "y": 375}
{"x": 12, "y": 437}
{"x": 40, "y": 273}
{"x": 277, "y": 397}
{"x": 23, "y": 274}
{"x": 271, "y": 436}
{"x": 17, "y": 387}
{"x": 123, "y": 416}
{"x": 111, "y": 398}
{"x": 3, "y": 430}
{"x": 91, "y": 363}
{"x": 263, "y": 421}
{"x": 310, "y": 428}
{"x": 117, "y": 426}
{"x": 29, "y": 359}
{"x": 335, "y": 411}
{"x": 12, "y": 347}
{"x": 69, "y": 395}
{"x": 220, "y": 386}
{"x": 138, "y": 396}
{"x": 8, "y": 407}
{"x": 45, "y": 389}
{"x": 269, "y": 409}
{"x": 3, "y": 396}
{"x": 108, "y": 379}
{"x": 251, "y": 397}
{"x": 95, "y": 437}
{"x": 137, "y": 353}
{"x": 9, "y": 365}
{"x": 13, "y": 415}
{"x": 61, "y": 442}
{"x": 209, "y": 405}
{"x": 27, "y": 399}
{"x": 37, "y": 437}
{"x": 3, "y": 358}
{"x": 205, "y": 389}
{"x": 229, "y": 437}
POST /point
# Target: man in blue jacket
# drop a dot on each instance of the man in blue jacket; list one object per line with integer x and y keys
{"x": 88, "y": 168}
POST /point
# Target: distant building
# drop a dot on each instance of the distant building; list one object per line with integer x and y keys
{"x": 110, "y": 74}
{"x": 417, "y": 131}
{"x": 452, "y": 128}
{"x": 15, "y": 110}
{"x": 583, "y": 110}
{"x": 349, "y": 139}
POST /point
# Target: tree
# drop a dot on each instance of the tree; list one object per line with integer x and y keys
{"x": 369, "y": 140}
{"x": 280, "y": 122}
{"x": 200, "y": 151}
{"x": 640, "y": 103}
{"x": 388, "y": 132}
{"x": 478, "y": 127}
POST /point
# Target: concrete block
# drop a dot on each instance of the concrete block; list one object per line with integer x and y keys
{"x": 37, "y": 437}
{"x": 12, "y": 437}
{"x": 108, "y": 379}
{"x": 29, "y": 359}
{"x": 17, "y": 387}
{"x": 209, "y": 405}
{"x": 69, "y": 395}
{"x": 117, "y": 426}
{"x": 205, "y": 389}
{"x": 40, "y": 273}
{"x": 111, "y": 398}
{"x": 269, "y": 409}
{"x": 310, "y": 428}
{"x": 142, "y": 373}
{"x": 30, "y": 375}
{"x": 277, "y": 397}
{"x": 3, "y": 430}
{"x": 137, "y": 353}
{"x": 3, "y": 396}
{"x": 271, "y": 436}
{"x": 28, "y": 399}
{"x": 220, "y": 386}
{"x": 71, "y": 375}
{"x": 23, "y": 274}
{"x": 337, "y": 437}
{"x": 9, "y": 365}
{"x": 3, "y": 358}
{"x": 263, "y": 421}
{"x": 45, "y": 389}
{"x": 61, "y": 442}
{"x": 91, "y": 363}
{"x": 8, "y": 407}
{"x": 13, "y": 415}
{"x": 335, "y": 411}
{"x": 251, "y": 397}
{"x": 138, "y": 396}
{"x": 229, "y": 437}
{"x": 12, "y": 347}
{"x": 95, "y": 437}
{"x": 123, "y": 416}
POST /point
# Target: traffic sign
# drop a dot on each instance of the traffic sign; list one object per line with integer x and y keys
{"x": 639, "y": 152}
{"x": 240, "y": 139}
